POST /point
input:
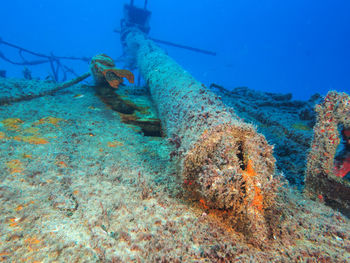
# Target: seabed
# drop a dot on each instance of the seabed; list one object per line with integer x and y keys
{"x": 79, "y": 185}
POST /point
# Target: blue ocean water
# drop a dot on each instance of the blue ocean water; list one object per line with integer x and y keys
{"x": 301, "y": 47}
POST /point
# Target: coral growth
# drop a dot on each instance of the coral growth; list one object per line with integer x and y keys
{"x": 20, "y": 131}
{"x": 31, "y": 139}
{"x": 15, "y": 166}
{"x": 228, "y": 168}
{"x": 12, "y": 123}
{"x": 248, "y": 176}
{"x": 324, "y": 175}
{"x": 49, "y": 120}
{"x": 103, "y": 70}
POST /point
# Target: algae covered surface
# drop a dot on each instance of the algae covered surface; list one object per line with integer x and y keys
{"x": 79, "y": 185}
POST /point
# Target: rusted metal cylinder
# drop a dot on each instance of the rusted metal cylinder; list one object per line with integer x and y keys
{"x": 224, "y": 163}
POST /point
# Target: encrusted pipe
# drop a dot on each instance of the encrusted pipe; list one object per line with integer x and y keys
{"x": 224, "y": 163}
{"x": 328, "y": 164}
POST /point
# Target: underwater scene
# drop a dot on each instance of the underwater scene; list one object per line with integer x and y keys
{"x": 175, "y": 131}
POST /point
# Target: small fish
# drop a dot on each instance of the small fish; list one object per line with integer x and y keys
{"x": 78, "y": 96}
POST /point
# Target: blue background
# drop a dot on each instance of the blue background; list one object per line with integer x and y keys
{"x": 299, "y": 46}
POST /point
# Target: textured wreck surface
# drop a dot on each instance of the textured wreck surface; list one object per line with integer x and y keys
{"x": 224, "y": 162}
{"x": 78, "y": 185}
{"x": 328, "y": 166}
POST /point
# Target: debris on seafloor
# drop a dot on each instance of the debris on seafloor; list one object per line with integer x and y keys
{"x": 108, "y": 81}
{"x": 327, "y": 175}
{"x": 223, "y": 161}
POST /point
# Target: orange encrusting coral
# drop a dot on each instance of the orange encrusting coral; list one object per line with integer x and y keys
{"x": 115, "y": 144}
{"x": 61, "y": 164}
{"x": 248, "y": 175}
{"x": 19, "y": 208}
{"x": 249, "y": 169}
{"x": 202, "y": 202}
{"x": 32, "y": 243}
{"x": 258, "y": 199}
{"x": 48, "y": 120}
{"x": 15, "y": 166}
{"x": 31, "y": 139}
{"x": 31, "y": 130}
{"x": 12, "y": 123}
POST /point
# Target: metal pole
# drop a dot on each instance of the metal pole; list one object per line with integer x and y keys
{"x": 223, "y": 162}
{"x": 168, "y": 43}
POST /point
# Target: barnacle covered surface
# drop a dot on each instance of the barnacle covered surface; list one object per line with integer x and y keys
{"x": 231, "y": 168}
{"x": 213, "y": 143}
{"x": 333, "y": 115}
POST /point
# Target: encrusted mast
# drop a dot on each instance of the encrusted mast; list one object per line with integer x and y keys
{"x": 223, "y": 162}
